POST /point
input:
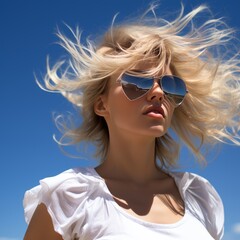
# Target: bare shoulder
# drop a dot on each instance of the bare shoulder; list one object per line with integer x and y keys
{"x": 41, "y": 226}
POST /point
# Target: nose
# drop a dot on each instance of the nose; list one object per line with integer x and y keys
{"x": 155, "y": 93}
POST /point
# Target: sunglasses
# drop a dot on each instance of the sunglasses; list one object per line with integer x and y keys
{"x": 173, "y": 87}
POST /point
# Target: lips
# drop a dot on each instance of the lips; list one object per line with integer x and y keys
{"x": 155, "y": 111}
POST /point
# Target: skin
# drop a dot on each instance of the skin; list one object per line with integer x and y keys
{"x": 41, "y": 226}
{"x": 129, "y": 170}
{"x": 146, "y": 192}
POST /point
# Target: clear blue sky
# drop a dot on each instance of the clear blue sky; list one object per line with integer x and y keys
{"x": 28, "y": 152}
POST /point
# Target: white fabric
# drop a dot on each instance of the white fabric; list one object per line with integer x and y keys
{"x": 81, "y": 206}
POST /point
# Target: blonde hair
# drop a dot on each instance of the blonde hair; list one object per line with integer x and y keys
{"x": 210, "y": 112}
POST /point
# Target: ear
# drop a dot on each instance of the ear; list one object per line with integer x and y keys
{"x": 100, "y": 107}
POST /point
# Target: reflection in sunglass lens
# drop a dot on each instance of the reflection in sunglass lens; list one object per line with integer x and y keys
{"x": 173, "y": 87}
{"x": 135, "y": 87}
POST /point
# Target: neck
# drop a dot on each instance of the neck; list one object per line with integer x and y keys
{"x": 130, "y": 160}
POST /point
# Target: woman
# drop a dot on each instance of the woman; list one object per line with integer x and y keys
{"x": 144, "y": 89}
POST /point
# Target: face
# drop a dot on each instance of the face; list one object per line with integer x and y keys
{"x": 149, "y": 115}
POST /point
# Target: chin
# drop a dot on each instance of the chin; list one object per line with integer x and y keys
{"x": 156, "y": 132}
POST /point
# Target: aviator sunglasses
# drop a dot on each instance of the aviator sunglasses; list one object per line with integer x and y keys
{"x": 135, "y": 87}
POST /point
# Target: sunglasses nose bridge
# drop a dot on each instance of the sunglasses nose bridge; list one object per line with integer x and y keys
{"x": 158, "y": 81}
{"x": 157, "y": 84}
{"x": 156, "y": 90}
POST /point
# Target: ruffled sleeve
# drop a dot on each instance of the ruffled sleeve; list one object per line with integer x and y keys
{"x": 203, "y": 201}
{"x": 66, "y": 198}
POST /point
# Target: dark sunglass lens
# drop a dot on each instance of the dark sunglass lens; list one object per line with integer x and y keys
{"x": 135, "y": 87}
{"x": 174, "y": 88}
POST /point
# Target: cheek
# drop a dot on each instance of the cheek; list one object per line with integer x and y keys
{"x": 123, "y": 108}
{"x": 169, "y": 111}
{"x": 118, "y": 104}
{"x": 170, "y": 118}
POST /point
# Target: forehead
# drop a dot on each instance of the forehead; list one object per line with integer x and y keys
{"x": 150, "y": 68}
{"x": 145, "y": 65}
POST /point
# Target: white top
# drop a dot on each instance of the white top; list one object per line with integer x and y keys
{"x": 82, "y": 207}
